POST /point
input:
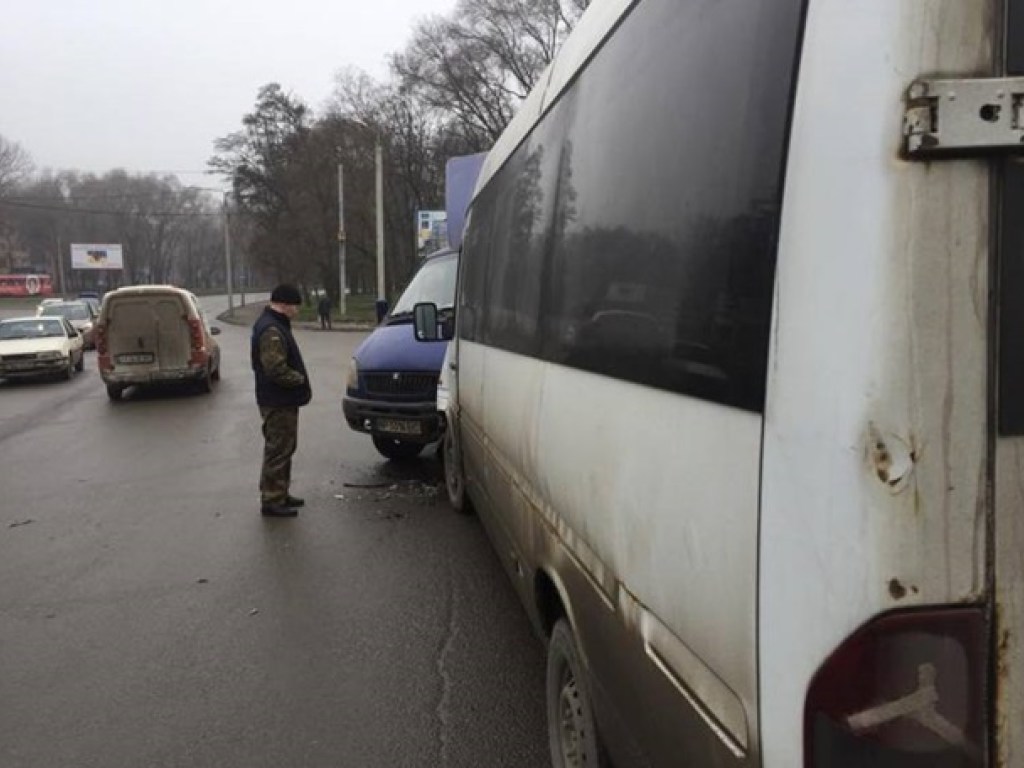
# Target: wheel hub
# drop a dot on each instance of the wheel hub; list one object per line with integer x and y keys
{"x": 571, "y": 725}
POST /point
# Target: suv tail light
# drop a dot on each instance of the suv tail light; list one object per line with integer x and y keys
{"x": 196, "y": 335}
{"x": 907, "y": 690}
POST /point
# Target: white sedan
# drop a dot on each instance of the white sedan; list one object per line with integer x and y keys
{"x": 40, "y": 346}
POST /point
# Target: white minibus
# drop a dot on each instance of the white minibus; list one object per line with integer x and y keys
{"x": 737, "y": 382}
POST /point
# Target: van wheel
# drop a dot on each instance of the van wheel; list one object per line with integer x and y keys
{"x": 454, "y": 477}
{"x": 206, "y": 382}
{"x": 397, "y": 450}
{"x": 80, "y": 365}
{"x": 114, "y": 392}
{"x": 572, "y": 731}
{"x": 69, "y": 372}
{"x": 215, "y": 376}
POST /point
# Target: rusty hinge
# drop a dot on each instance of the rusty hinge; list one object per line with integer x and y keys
{"x": 968, "y": 116}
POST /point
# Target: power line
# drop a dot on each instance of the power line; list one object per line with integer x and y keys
{"x": 67, "y": 209}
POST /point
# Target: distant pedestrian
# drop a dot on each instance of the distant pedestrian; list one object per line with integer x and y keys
{"x": 323, "y": 308}
{"x": 282, "y": 387}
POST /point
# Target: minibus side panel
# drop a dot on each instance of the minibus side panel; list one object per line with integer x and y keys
{"x": 875, "y": 493}
{"x": 1009, "y": 530}
{"x": 1009, "y": 475}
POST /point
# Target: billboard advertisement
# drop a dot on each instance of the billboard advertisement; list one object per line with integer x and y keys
{"x": 431, "y": 230}
{"x": 25, "y": 285}
{"x": 91, "y": 256}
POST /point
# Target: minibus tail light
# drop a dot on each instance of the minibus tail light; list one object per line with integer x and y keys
{"x": 906, "y": 690}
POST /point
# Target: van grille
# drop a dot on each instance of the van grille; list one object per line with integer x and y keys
{"x": 398, "y": 383}
{"x": 20, "y": 357}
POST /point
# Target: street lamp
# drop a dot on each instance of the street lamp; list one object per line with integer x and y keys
{"x": 378, "y": 159}
{"x": 227, "y": 256}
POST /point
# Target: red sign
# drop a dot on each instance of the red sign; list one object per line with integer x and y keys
{"x": 25, "y": 285}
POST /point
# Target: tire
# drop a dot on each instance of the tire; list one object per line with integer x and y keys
{"x": 69, "y": 372}
{"x": 206, "y": 382}
{"x": 215, "y": 376}
{"x": 114, "y": 392}
{"x": 454, "y": 476}
{"x": 80, "y": 365}
{"x": 396, "y": 450}
{"x": 572, "y": 731}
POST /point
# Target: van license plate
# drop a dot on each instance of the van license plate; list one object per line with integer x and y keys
{"x": 138, "y": 357}
{"x": 399, "y": 427}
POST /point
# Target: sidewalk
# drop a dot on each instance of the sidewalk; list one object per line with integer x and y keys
{"x": 246, "y": 316}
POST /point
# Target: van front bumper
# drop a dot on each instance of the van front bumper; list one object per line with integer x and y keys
{"x": 416, "y": 422}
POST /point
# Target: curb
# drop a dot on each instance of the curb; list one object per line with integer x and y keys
{"x": 245, "y": 316}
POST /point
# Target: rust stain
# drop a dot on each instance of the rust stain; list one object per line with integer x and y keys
{"x": 897, "y": 590}
{"x": 893, "y": 460}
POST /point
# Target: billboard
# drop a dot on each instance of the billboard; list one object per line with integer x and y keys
{"x": 26, "y": 285}
{"x": 431, "y": 230}
{"x": 90, "y": 256}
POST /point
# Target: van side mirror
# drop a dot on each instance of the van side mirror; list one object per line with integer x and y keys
{"x": 214, "y": 330}
{"x": 381, "y": 307}
{"x": 426, "y": 325}
{"x": 424, "y": 320}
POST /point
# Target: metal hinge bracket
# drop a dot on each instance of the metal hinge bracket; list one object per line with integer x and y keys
{"x": 970, "y": 116}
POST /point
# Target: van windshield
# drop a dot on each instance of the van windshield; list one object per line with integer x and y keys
{"x": 434, "y": 283}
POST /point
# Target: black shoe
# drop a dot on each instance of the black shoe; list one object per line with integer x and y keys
{"x": 277, "y": 510}
{"x": 294, "y": 501}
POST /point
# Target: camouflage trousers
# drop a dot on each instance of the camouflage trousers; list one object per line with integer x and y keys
{"x": 280, "y": 436}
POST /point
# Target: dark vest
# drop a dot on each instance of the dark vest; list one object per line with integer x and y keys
{"x": 268, "y": 393}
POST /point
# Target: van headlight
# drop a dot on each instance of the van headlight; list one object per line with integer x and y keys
{"x": 352, "y": 380}
{"x": 51, "y": 355}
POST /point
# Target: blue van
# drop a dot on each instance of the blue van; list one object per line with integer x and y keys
{"x": 391, "y": 390}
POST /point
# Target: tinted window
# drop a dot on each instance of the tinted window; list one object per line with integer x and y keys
{"x": 655, "y": 189}
{"x": 1011, "y": 259}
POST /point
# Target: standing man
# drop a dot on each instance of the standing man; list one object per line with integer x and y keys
{"x": 323, "y": 308}
{"x": 282, "y": 387}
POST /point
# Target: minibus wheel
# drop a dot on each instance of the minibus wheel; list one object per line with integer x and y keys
{"x": 572, "y": 731}
{"x": 114, "y": 392}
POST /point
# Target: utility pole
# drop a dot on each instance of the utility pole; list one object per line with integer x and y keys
{"x": 60, "y": 266}
{"x": 341, "y": 241}
{"x": 227, "y": 256}
{"x": 379, "y": 162}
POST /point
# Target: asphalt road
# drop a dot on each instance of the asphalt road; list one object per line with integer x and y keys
{"x": 150, "y": 617}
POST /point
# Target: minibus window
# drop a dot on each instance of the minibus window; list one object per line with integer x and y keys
{"x": 633, "y": 232}
{"x": 1011, "y": 260}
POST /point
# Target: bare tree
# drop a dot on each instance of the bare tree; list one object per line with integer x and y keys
{"x": 478, "y": 64}
{"x": 15, "y": 165}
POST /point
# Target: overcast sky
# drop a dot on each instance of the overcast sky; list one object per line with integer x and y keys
{"x": 149, "y": 84}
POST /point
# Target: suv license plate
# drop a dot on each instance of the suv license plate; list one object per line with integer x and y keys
{"x": 143, "y": 357}
{"x": 399, "y": 427}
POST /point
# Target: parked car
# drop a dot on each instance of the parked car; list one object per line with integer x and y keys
{"x": 79, "y": 313}
{"x": 39, "y": 346}
{"x": 391, "y": 391}
{"x": 151, "y": 334}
